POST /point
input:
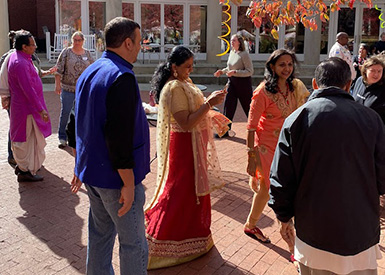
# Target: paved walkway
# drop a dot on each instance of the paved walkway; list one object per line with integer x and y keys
{"x": 43, "y": 227}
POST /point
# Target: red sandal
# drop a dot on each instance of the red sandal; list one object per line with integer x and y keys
{"x": 256, "y": 233}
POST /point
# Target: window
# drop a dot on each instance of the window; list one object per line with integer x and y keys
{"x": 97, "y": 20}
{"x": 247, "y": 29}
{"x": 295, "y": 38}
{"x": 150, "y": 25}
{"x": 69, "y": 17}
{"x": 128, "y": 10}
{"x": 370, "y": 27}
{"x": 267, "y": 43}
{"x": 173, "y": 24}
{"x": 198, "y": 27}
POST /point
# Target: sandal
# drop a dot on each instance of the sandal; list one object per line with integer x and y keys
{"x": 256, "y": 234}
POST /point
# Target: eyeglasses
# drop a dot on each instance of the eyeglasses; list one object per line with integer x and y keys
{"x": 78, "y": 40}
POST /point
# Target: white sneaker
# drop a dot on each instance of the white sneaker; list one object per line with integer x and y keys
{"x": 62, "y": 143}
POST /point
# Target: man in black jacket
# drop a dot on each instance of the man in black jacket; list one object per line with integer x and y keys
{"x": 328, "y": 172}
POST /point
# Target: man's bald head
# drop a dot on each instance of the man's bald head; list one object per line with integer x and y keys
{"x": 342, "y": 38}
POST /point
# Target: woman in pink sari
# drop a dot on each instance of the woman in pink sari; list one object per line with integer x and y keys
{"x": 273, "y": 100}
{"x": 179, "y": 217}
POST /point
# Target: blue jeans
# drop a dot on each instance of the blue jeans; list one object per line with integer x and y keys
{"x": 67, "y": 100}
{"x": 104, "y": 224}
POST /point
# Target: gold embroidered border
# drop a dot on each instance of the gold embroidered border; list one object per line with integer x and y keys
{"x": 178, "y": 249}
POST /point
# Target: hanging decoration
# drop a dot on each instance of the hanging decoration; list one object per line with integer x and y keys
{"x": 291, "y": 12}
{"x": 225, "y": 23}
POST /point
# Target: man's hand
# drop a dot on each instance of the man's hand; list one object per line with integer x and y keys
{"x": 288, "y": 234}
{"x": 75, "y": 184}
{"x": 44, "y": 116}
{"x": 127, "y": 193}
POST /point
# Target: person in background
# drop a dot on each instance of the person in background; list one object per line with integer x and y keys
{"x": 179, "y": 216}
{"x": 239, "y": 71}
{"x": 369, "y": 89}
{"x": 328, "y": 172}
{"x": 71, "y": 63}
{"x": 4, "y": 86}
{"x": 29, "y": 120}
{"x": 358, "y": 60}
{"x": 273, "y": 100}
{"x": 113, "y": 152}
{"x": 380, "y": 44}
{"x": 339, "y": 49}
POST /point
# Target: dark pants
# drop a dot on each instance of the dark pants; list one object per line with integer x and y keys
{"x": 10, "y": 153}
{"x": 239, "y": 88}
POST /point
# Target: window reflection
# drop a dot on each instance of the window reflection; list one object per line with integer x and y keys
{"x": 370, "y": 27}
{"x": 97, "y": 17}
{"x": 128, "y": 10}
{"x": 69, "y": 17}
{"x": 173, "y": 25}
{"x": 198, "y": 22}
{"x": 267, "y": 43}
{"x": 150, "y": 26}
{"x": 324, "y": 37}
{"x": 246, "y": 29}
{"x": 294, "y": 38}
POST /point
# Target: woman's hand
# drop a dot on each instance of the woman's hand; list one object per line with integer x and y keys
{"x": 52, "y": 70}
{"x": 218, "y": 73}
{"x": 216, "y": 97}
{"x": 231, "y": 73}
{"x": 254, "y": 163}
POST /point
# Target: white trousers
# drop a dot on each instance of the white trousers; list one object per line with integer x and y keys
{"x": 30, "y": 155}
{"x": 304, "y": 270}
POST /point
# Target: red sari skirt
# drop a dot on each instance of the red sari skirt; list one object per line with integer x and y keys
{"x": 178, "y": 226}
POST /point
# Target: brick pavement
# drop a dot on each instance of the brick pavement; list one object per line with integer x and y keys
{"x": 43, "y": 227}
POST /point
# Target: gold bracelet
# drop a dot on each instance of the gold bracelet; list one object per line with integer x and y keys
{"x": 208, "y": 103}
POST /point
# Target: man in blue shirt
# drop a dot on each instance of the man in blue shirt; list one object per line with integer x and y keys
{"x": 112, "y": 152}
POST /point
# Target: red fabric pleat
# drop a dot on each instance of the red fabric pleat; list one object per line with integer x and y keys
{"x": 177, "y": 216}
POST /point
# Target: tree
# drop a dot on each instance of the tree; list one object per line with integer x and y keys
{"x": 287, "y": 12}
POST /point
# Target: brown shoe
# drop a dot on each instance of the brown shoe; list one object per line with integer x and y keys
{"x": 28, "y": 177}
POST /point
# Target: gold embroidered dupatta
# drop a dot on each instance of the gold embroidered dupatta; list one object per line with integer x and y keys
{"x": 206, "y": 165}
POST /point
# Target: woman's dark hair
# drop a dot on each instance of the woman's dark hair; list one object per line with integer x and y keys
{"x": 178, "y": 56}
{"x": 271, "y": 79}
{"x": 366, "y": 47}
{"x": 241, "y": 42}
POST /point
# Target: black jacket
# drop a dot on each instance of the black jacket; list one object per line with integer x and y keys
{"x": 372, "y": 96}
{"x": 328, "y": 172}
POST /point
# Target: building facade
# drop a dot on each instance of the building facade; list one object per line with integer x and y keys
{"x": 194, "y": 23}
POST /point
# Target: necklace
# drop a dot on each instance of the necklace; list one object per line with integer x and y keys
{"x": 285, "y": 95}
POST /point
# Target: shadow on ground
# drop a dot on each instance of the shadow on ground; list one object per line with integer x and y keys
{"x": 50, "y": 216}
{"x": 236, "y": 195}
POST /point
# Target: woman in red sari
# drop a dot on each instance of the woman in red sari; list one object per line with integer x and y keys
{"x": 273, "y": 100}
{"x": 179, "y": 217}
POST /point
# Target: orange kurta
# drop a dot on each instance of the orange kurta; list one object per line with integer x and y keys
{"x": 267, "y": 113}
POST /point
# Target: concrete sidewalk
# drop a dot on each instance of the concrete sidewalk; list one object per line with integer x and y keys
{"x": 43, "y": 227}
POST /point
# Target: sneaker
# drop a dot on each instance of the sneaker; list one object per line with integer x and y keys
{"x": 28, "y": 177}
{"x": 62, "y": 143}
{"x": 12, "y": 162}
